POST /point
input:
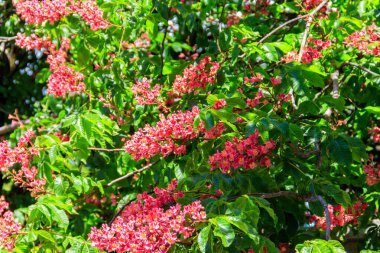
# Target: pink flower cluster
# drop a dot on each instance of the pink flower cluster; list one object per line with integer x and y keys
{"x": 339, "y": 216}
{"x": 21, "y": 154}
{"x": 63, "y": 78}
{"x": 36, "y": 12}
{"x": 195, "y": 77}
{"x": 161, "y": 138}
{"x": 373, "y": 171}
{"x": 147, "y": 226}
{"x": 308, "y": 55}
{"x": 214, "y": 132}
{"x": 142, "y": 42}
{"x": 366, "y": 40}
{"x": 246, "y": 153}
{"x": 8, "y": 226}
{"x": 375, "y": 134}
{"x": 143, "y": 93}
{"x": 219, "y": 104}
{"x": 254, "y": 79}
{"x": 256, "y": 101}
{"x": 320, "y": 43}
{"x": 311, "y": 4}
{"x": 90, "y": 12}
{"x": 258, "y": 6}
{"x": 276, "y": 81}
{"x": 234, "y": 18}
{"x": 32, "y": 42}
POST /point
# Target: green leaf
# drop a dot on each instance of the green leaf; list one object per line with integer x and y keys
{"x": 60, "y": 186}
{"x": 211, "y": 99}
{"x": 320, "y": 246}
{"x": 78, "y": 245}
{"x": 45, "y": 235}
{"x": 59, "y": 216}
{"x": 373, "y": 109}
{"x": 225, "y": 39}
{"x": 270, "y": 52}
{"x": 43, "y": 75}
{"x": 152, "y": 27}
{"x": 340, "y": 151}
{"x": 203, "y": 238}
{"x": 223, "y": 230}
{"x": 340, "y": 196}
{"x": 243, "y": 226}
{"x": 209, "y": 120}
{"x": 264, "y": 204}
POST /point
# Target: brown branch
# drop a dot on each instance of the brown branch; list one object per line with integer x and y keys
{"x": 280, "y": 27}
{"x": 108, "y": 149}
{"x": 360, "y": 67}
{"x": 327, "y": 214}
{"x": 335, "y": 84}
{"x": 10, "y": 128}
{"x": 275, "y": 194}
{"x": 93, "y": 148}
{"x": 7, "y": 39}
{"x": 301, "y": 154}
{"x": 130, "y": 174}
{"x": 311, "y": 14}
{"x": 304, "y": 37}
{"x": 308, "y": 24}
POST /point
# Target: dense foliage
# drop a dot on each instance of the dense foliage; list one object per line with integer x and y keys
{"x": 190, "y": 126}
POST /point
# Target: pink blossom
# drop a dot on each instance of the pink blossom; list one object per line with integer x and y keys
{"x": 246, "y": 153}
{"x": 219, "y": 104}
{"x": 275, "y": 81}
{"x": 9, "y": 228}
{"x": 196, "y": 77}
{"x": 254, "y": 79}
{"x": 339, "y": 216}
{"x": 90, "y": 12}
{"x": 366, "y": 40}
{"x": 36, "y": 12}
{"x": 147, "y": 226}
{"x": 22, "y": 154}
{"x": 144, "y": 94}
{"x": 63, "y": 79}
{"x": 149, "y": 141}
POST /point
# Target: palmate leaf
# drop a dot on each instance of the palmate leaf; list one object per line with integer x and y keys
{"x": 320, "y": 246}
{"x": 223, "y": 230}
{"x": 203, "y": 238}
{"x": 339, "y": 151}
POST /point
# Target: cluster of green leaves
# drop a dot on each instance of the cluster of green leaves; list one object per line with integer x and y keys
{"x": 315, "y": 155}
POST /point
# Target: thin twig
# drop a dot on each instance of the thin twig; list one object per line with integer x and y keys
{"x": 130, "y": 174}
{"x": 280, "y": 27}
{"x": 294, "y": 105}
{"x": 311, "y": 14}
{"x": 162, "y": 51}
{"x": 7, "y": 39}
{"x": 108, "y": 149}
{"x": 304, "y": 37}
{"x": 10, "y": 128}
{"x": 93, "y": 148}
{"x": 360, "y": 67}
{"x": 121, "y": 40}
{"x": 321, "y": 92}
{"x": 303, "y": 155}
{"x": 308, "y": 24}
{"x": 274, "y": 194}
